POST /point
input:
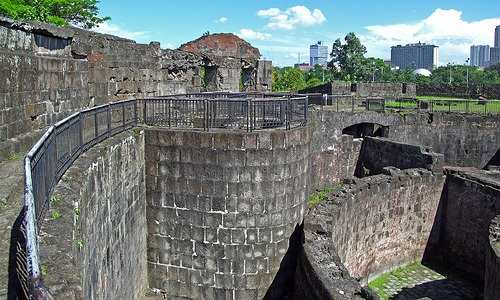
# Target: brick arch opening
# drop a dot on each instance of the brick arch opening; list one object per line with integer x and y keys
{"x": 361, "y": 130}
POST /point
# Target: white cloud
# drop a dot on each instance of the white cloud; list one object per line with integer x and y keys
{"x": 444, "y": 28}
{"x": 292, "y": 17}
{"x": 221, "y": 20}
{"x": 113, "y": 29}
{"x": 249, "y": 34}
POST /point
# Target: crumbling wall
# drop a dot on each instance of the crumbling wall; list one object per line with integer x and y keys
{"x": 121, "y": 69}
{"x": 93, "y": 242}
{"x": 221, "y": 209}
{"x": 40, "y": 82}
{"x": 50, "y": 72}
{"x": 232, "y": 62}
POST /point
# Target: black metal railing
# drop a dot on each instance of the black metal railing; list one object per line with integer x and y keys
{"x": 236, "y": 113}
{"x": 62, "y": 143}
{"x": 347, "y": 103}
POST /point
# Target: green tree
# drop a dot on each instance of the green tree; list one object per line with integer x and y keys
{"x": 318, "y": 73}
{"x": 349, "y": 58}
{"x": 375, "y": 69}
{"x": 82, "y": 13}
{"x": 288, "y": 79}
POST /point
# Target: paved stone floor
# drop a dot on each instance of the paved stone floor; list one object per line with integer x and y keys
{"x": 11, "y": 196}
{"x": 416, "y": 281}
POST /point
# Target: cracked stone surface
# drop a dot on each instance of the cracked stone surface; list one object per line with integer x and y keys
{"x": 11, "y": 196}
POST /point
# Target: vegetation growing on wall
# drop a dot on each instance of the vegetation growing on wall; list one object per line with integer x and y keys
{"x": 84, "y": 13}
{"x": 321, "y": 195}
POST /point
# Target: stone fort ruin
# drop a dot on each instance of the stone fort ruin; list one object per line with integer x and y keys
{"x": 132, "y": 193}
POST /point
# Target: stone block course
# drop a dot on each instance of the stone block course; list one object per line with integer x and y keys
{"x": 233, "y": 210}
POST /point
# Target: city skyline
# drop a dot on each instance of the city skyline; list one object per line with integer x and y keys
{"x": 283, "y": 30}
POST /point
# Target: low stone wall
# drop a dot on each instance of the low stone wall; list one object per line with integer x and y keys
{"x": 467, "y": 140}
{"x": 471, "y": 199}
{"x": 365, "y": 89}
{"x": 492, "y": 274}
{"x": 378, "y": 153}
{"x": 93, "y": 242}
{"x": 490, "y": 91}
{"x": 221, "y": 209}
{"x": 464, "y": 139}
{"x": 384, "y": 221}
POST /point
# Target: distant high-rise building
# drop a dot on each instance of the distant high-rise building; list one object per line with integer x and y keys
{"x": 497, "y": 36}
{"x": 415, "y": 56}
{"x": 494, "y": 56}
{"x": 479, "y": 55}
{"x": 495, "y": 51}
{"x": 318, "y": 54}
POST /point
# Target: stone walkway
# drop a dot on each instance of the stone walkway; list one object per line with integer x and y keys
{"x": 416, "y": 281}
{"x": 11, "y": 197}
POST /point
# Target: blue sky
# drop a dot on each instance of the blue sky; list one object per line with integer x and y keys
{"x": 283, "y": 29}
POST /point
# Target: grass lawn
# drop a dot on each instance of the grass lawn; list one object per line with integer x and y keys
{"x": 443, "y": 98}
{"x": 447, "y": 104}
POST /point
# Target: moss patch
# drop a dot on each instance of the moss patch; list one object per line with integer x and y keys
{"x": 390, "y": 283}
{"x": 321, "y": 195}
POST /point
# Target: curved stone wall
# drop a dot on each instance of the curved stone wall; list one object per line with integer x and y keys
{"x": 93, "y": 241}
{"x": 221, "y": 208}
{"x": 492, "y": 272}
{"x": 384, "y": 221}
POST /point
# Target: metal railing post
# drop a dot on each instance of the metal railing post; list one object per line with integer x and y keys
{"x": 136, "y": 117}
{"x": 205, "y": 115}
{"x": 289, "y": 111}
{"x": 108, "y": 118}
{"x": 248, "y": 104}
{"x": 123, "y": 116}
{"x": 81, "y": 129}
{"x": 169, "y": 104}
{"x": 96, "y": 130}
{"x": 306, "y": 104}
{"x": 144, "y": 112}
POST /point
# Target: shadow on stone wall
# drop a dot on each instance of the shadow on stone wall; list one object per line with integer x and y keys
{"x": 494, "y": 161}
{"x": 283, "y": 285}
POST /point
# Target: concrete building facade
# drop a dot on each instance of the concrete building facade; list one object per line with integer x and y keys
{"x": 318, "y": 54}
{"x": 495, "y": 51}
{"x": 479, "y": 55}
{"x": 494, "y": 56}
{"x": 415, "y": 56}
{"x": 497, "y": 36}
